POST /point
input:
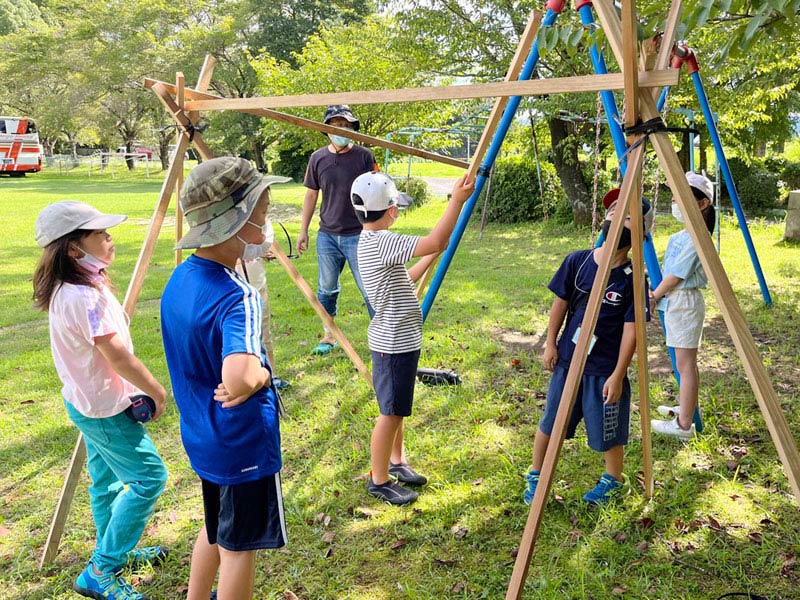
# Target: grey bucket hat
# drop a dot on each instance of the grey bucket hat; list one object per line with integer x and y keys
{"x": 217, "y": 199}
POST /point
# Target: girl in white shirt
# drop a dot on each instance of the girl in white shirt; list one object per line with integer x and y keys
{"x": 93, "y": 355}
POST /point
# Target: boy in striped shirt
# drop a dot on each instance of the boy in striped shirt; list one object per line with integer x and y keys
{"x": 395, "y": 332}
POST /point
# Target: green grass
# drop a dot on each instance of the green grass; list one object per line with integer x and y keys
{"x": 723, "y": 517}
{"x": 423, "y": 169}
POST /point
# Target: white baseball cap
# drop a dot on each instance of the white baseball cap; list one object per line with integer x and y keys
{"x": 58, "y": 219}
{"x": 701, "y": 183}
{"x": 374, "y": 191}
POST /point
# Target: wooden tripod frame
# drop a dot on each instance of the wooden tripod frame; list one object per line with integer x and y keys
{"x": 639, "y": 102}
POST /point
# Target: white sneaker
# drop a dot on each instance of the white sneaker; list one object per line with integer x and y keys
{"x": 672, "y": 428}
{"x": 668, "y": 411}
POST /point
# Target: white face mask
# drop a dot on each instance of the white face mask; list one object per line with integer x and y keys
{"x": 254, "y": 251}
{"x": 676, "y": 212}
{"x": 340, "y": 141}
{"x": 90, "y": 263}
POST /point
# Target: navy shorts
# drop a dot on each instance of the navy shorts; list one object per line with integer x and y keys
{"x": 606, "y": 424}
{"x": 245, "y": 516}
{"x": 393, "y": 376}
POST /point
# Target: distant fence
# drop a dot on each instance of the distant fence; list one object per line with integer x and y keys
{"x": 99, "y": 163}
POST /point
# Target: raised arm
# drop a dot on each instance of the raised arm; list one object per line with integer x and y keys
{"x": 436, "y": 241}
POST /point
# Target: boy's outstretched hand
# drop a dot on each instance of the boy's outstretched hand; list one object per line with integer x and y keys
{"x": 462, "y": 189}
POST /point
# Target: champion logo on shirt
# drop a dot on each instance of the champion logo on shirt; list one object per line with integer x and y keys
{"x": 614, "y": 298}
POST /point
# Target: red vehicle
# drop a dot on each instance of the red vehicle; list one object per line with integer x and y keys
{"x": 142, "y": 151}
{"x": 20, "y": 151}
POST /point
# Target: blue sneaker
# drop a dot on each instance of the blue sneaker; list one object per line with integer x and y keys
{"x": 606, "y": 489}
{"x": 147, "y": 555}
{"x": 533, "y": 480}
{"x": 108, "y": 586}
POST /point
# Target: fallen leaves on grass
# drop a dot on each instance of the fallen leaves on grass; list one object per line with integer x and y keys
{"x": 445, "y": 562}
{"x": 458, "y": 588}
{"x": 399, "y": 544}
{"x": 367, "y": 512}
{"x": 328, "y": 536}
{"x": 642, "y": 547}
{"x": 289, "y": 595}
{"x": 459, "y": 532}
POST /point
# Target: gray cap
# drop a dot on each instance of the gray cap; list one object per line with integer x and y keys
{"x": 58, "y": 219}
{"x": 217, "y": 199}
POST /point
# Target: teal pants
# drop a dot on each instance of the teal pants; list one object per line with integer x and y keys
{"x": 127, "y": 476}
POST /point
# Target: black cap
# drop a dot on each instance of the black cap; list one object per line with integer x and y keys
{"x": 341, "y": 110}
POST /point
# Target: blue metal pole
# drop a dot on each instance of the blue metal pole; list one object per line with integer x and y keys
{"x": 621, "y": 147}
{"x": 486, "y": 165}
{"x": 726, "y": 174}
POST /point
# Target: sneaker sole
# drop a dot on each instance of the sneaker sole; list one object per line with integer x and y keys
{"x": 396, "y": 501}
{"x": 87, "y": 593}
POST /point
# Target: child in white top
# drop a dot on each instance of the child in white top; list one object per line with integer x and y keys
{"x": 679, "y": 296}
{"x": 93, "y": 354}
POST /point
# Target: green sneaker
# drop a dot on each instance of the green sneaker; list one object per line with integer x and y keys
{"x": 107, "y": 586}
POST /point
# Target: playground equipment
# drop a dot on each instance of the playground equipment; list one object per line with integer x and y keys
{"x": 637, "y": 82}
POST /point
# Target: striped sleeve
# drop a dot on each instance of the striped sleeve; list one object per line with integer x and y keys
{"x": 241, "y": 325}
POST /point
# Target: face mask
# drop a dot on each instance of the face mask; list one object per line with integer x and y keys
{"x": 90, "y": 262}
{"x": 253, "y": 251}
{"x": 624, "y": 238}
{"x": 676, "y": 212}
{"x": 340, "y": 141}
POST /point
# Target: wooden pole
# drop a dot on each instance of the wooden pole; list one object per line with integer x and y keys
{"x": 630, "y": 65}
{"x": 129, "y": 304}
{"x": 314, "y": 125}
{"x": 303, "y": 286}
{"x": 533, "y": 87}
{"x": 573, "y": 381}
{"x": 64, "y": 501}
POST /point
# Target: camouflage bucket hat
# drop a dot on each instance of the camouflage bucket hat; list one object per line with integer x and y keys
{"x": 218, "y": 198}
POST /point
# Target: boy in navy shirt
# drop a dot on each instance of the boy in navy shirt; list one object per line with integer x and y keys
{"x": 211, "y": 327}
{"x": 603, "y": 400}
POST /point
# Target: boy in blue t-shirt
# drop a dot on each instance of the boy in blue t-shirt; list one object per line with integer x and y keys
{"x": 211, "y": 327}
{"x": 604, "y": 394}
{"x": 395, "y": 332}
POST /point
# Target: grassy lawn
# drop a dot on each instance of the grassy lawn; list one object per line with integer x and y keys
{"x": 723, "y": 517}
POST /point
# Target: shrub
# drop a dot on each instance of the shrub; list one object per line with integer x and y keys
{"x": 417, "y": 189}
{"x": 757, "y": 187}
{"x": 515, "y": 195}
{"x": 292, "y": 163}
{"x": 758, "y": 191}
{"x": 791, "y": 175}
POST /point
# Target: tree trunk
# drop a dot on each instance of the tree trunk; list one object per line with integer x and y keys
{"x": 565, "y": 157}
{"x": 257, "y": 146}
{"x": 683, "y": 153}
{"x": 163, "y": 148}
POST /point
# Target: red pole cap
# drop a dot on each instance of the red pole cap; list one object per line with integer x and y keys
{"x": 581, "y": 3}
{"x": 557, "y": 6}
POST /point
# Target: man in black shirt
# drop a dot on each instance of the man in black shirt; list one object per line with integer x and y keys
{"x": 332, "y": 170}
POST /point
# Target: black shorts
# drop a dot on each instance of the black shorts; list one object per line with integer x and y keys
{"x": 393, "y": 376}
{"x": 245, "y": 516}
